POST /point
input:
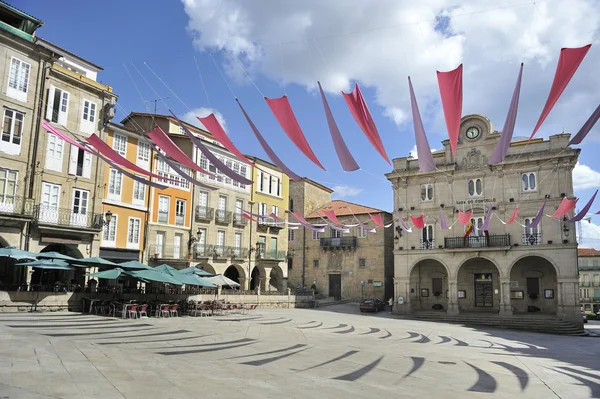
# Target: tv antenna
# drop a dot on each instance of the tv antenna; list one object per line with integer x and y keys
{"x": 156, "y": 102}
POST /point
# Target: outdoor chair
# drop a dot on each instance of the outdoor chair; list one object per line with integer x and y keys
{"x": 163, "y": 311}
{"x": 173, "y": 312}
{"x": 132, "y": 311}
{"x": 205, "y": 310}
{"x": 143, "y": 311}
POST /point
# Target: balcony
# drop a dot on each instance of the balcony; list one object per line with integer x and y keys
{"x": 222, "y": 216}
{"x": 180, "y": 220}
{"x": 204, "y": 213}
{"x": 589, "y": 284}
{"x": 239, "y": 220}
{"x": 341, "y": 243}
{"x": 200, "y": 251}
{"x": 238, "y": 252}
{"x": 170, "y": 252}
{"x": 590, "y": 299}
{"x": 217, "y": 251}
{"x": 271, "y": 255}
{"x": 163, "y": 217}
{"x": 16, "y": 207}
{"x": 428, "y": 244}
{"x": 589, "y": 267}
{"x": 491, "y": 241}
{"x": 532, "y": 239}
{"x": 46, "y": 215}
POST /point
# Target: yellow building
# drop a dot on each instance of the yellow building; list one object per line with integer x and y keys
{"x": 123, "y": 239}
{"x": 269, "y": 195}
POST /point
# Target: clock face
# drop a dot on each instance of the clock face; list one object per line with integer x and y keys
{"x": 472, "y": 133}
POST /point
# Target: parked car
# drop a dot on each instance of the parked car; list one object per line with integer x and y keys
{"x": 371, "y": 305}
{"x": 584, "y": 317}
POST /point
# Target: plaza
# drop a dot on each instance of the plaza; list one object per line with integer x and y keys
{"x": 293, "y": 353}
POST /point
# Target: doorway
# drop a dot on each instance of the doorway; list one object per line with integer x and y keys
{"x": 335, "y": 286}
{"x": 484, "y": 290}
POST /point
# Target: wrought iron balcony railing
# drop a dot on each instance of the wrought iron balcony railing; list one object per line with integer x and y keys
{"x": 494, "y": 240}
{"x": 204, "y": 213}
{"x": 16, "y": 206}
{"x": 163, "y": 217}
{"x": 427, "y": 244}
{"x": 179, "y": 220}
{"x": 222, "y": 216}
{"x": 341, "y": 242}
{"x": 200, "y": 251}
{"x": 272, "y": 255}
{"x": 48, "y": 215}
{"x": 239, "y": 220}
{"x": 172, "y": 252}
{"x": 532, "y": 239}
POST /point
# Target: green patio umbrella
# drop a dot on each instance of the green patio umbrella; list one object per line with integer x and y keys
{"x": 153, "y": 275}
{"x": 221, "y": 280}
{"x": 188, "y": 279}
{"x": 54, "y": 255}
{"x": 135, "y": 265}
{"x": 48, "y": 264}
{"x": 94, "y": 261}
{"x": 12, "y": 252}
{"x": 111, "y": 274}
{"x": 197, "y": 271}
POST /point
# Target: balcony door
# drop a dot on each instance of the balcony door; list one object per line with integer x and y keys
{"x": 221, "y": 207}
{"x": 160, "y": 244}
{"x": 220, "y": 247}
{"x": 477, "y": 238}
{"x": 201, "y": 243}
{"x": 239, "y": 206}
{"x": 49, "y": 203}
{"x": 203, "y": 204}
{"x": 177, "y": 246}
{"x": 237, "y": 247}
{"x": 273, "y": 248}
{"x": 79, "y": 214}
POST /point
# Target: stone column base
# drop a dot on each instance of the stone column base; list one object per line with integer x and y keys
{"x": 453, "y": 309}
{"x": 505, "y": 310}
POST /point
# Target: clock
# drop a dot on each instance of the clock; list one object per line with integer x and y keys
{"x": 472, "y": 133}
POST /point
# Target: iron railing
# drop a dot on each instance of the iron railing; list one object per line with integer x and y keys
{"x": 222, "y": 216}
{"x": 532, "y": 239}
{"x": 218, "y": 251}
{"x": 204, "y": 213}
{"x": 172, "y": 252}
{"x": 427, "y": 244}
{"x": 163, "y": 217}
{"x": 585, "y": 284}
{"x": 239, "y": 220}
{"x": 494, "y": 240}
{"x": 16, "y": 206}
{"x": 341, "y": 242}
{"x": 66, "y": 217}
{"x": 271, "y": 255}
{"x": 179, "y": 220}
{"x": 200, "y": 250}
{"x": 589, "y": 267}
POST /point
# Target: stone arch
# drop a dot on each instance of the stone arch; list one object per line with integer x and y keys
{"x": 478, "y": 281}
{"x": 65, "y": 249}
{"x": 67, "y": 277}
{"x": 556, "y": 268}
{"x": 533, "y": 285}
{"x": 3, "y": 243}
{"x": 208, "y": 267}
{"x": 432, "y": 258}
{"x": 256, "y": 276}
{"x": 11, "y": 276}
{"x": 276, "y": 278}
{"x": 236, "y": 273}
{"x": 429, "y": 285}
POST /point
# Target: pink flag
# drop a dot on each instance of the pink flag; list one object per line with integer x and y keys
{"x": 277, "y": 218}
{"x": 114, "y": 156}
{"x": 568, "y": 62}
{"x": 364, "y": 226}
{"x": 512, "y": 217}
{"x": 377, "y": 219}
{"x": 304, "y": 223}
{"x": 362, "y": 116}
{"x": 342, "y": 151}
{"x": 160, "y": 138}
{"x": 587, "y": 126}
{"x": 66, "y": 138}
{"x": 450, "y": 84}
{"x": 509, "y": 125}
{"x": 284, "y": 114}
{"x": 565, "y": 207}
{"x": 418, "y": 222}
{"x": 331, "y": 216}
{"x": 426, "y": 162}
{"x": 246, "y": 216}
{"x": 585, "y": 209}
{"x": 181, "y": 173}
{"x": 214, "y": 127}
{"x": 464, "y": 218}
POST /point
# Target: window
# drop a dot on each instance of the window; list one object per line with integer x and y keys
{"x": 477, "y": 223}
{"x": 54, "y": 153}
{"x": 362, "y": 232}
{"x": 531, "y": 235}
{"x": 179, "y": 212}
{"x": 229, "y": 164}
{"x": 528, "y": 182}
{"x": 163, "y": 209}
{"x": 475, "y": 187}
{"x": 120, "y": 144}
{"x": 8, "y": 189}
{"x": 177, "y": 245}
{"x": 426, "y": 192}
{"x": 202, "y": 208}
{"x": 80, "y": 162}
{"x": 262, "y": 208}
{"x": 362, "y": 263}
{"x": 143, "y": 155}
{"x": 333, "y": 233}
{"x": 273, "y": 248}
{"x": 203, "y": 162}
{"x": 115, "y": 179}
{"x": 18, "y": 79}
{"x": 243, "y": 174}
{"x": 175, "y": 180}
{"x": 427, "y": 239}
{"x": 79, "y": 216}
{"x": 278, "y": 187}
{"x": 12, "y": 131}
{"x": 236, "y": 169}
{"x": 262, "y": 246}
{"x": 220, "y": 247}
{"x": 239, "y": 206}
{"x": 139, "y": 193}
{"x": 316, "y": 235}
{"x": 275, "y": 210}
{"x": 181, "y": 130}
{"x": 57, "y": 106}
{"x": 109, "y": 234}
{"x": 88, "y": 117}
{"x": 237, "y": 246}
{"x": 585, "y": 293}
{"x": 133, "y": 233}
{"x": 160, "y": 244}
{"x": 49, "y": 203}
{"x": 291, "y": 234}
{"x": 315, "y": 263}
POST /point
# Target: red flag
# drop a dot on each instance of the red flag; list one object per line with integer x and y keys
{"x": 450, "y": 84}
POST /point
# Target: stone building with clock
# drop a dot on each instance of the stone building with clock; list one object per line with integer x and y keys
{"x": 509, "y": 269}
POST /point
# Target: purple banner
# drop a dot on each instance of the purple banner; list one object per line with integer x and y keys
{"x": 585, "y": 209}
{"x": 426, "y": 162}
{"x": 587, "y": 126}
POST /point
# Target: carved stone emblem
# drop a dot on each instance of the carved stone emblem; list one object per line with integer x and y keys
{"x": 473, "y": 160}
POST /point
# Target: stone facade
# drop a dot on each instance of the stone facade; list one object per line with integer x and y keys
{"x": 589, "y": 279}
{"x": 508, "y": 268}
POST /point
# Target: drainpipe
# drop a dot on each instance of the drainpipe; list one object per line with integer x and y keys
{"x": 146, "y": 221}
{"x": 303, "y": 256}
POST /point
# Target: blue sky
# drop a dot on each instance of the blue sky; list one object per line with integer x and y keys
{"x": 132, "y": 32}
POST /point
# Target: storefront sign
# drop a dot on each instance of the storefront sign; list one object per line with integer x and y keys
{"x": 476, "y": 201}
{"x": 377, "y": 283}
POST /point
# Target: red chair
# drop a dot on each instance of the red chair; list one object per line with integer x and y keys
{"x": 173, "y": 311}
{"x": 132, "y": 312}
{"x": 143, "y": 311}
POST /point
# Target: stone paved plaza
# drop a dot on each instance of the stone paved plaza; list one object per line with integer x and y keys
{"x": 332, "y": 352}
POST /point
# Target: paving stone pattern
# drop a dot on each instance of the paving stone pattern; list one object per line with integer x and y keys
{"x": 286, "y": 353}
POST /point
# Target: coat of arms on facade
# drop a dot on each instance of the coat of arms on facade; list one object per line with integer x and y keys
{"x": 473, "y": 160}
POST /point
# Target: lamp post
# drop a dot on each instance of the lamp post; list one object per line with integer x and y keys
{"x": 107, "y": 218}
{"x": 250, "y": 249}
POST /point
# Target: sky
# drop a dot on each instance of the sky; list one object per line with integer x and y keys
{"x": 151, "y": 50}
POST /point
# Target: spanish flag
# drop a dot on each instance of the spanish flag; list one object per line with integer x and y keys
{"x": 469, "y": 229}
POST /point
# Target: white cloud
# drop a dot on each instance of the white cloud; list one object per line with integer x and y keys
{"x": 585, "y": 177}
{"x": 591, "y": 235}
{"x": 413, "y": 152}
{"x": 380, "y": 42}
{"x": 190, "y": 117}
{"x": 343, "y": 191}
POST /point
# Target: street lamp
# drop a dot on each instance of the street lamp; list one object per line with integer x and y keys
{"x": 107, "y": 218}
{"x": 565, "y": 228}
{"x": 291, "y": 253}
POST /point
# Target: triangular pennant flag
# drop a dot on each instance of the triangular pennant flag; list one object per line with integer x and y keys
{"x": 443, "y": 223}
{"x": 538, "y": 217}
{"x": 566, "y": 206}
{"x": 464, "y": 218}
{"x": 450, "y": 84}
{"x": 419, "y": 222}
{"x": 488, "y": 218}
{"x": 426, "y": 162}
{"x": 377, "y": 219}
{"x": 585, "y": 209}
{"x": 587, "y": 126}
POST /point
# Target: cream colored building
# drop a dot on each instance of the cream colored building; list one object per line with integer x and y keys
{"x": 589, "y": 279}
{"x": 515, "y": 268}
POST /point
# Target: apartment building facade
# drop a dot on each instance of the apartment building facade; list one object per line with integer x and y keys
{"x": 124, "y": 238}
{"x": 510, "y": 267}
{"x": 589, "y": 279}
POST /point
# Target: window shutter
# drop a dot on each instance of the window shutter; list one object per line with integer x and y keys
{"x": 50, "y": 103}
{"x": 62, "y": 114}
{"x": 87, "y": 165}
{"x": 73, "y": 160}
